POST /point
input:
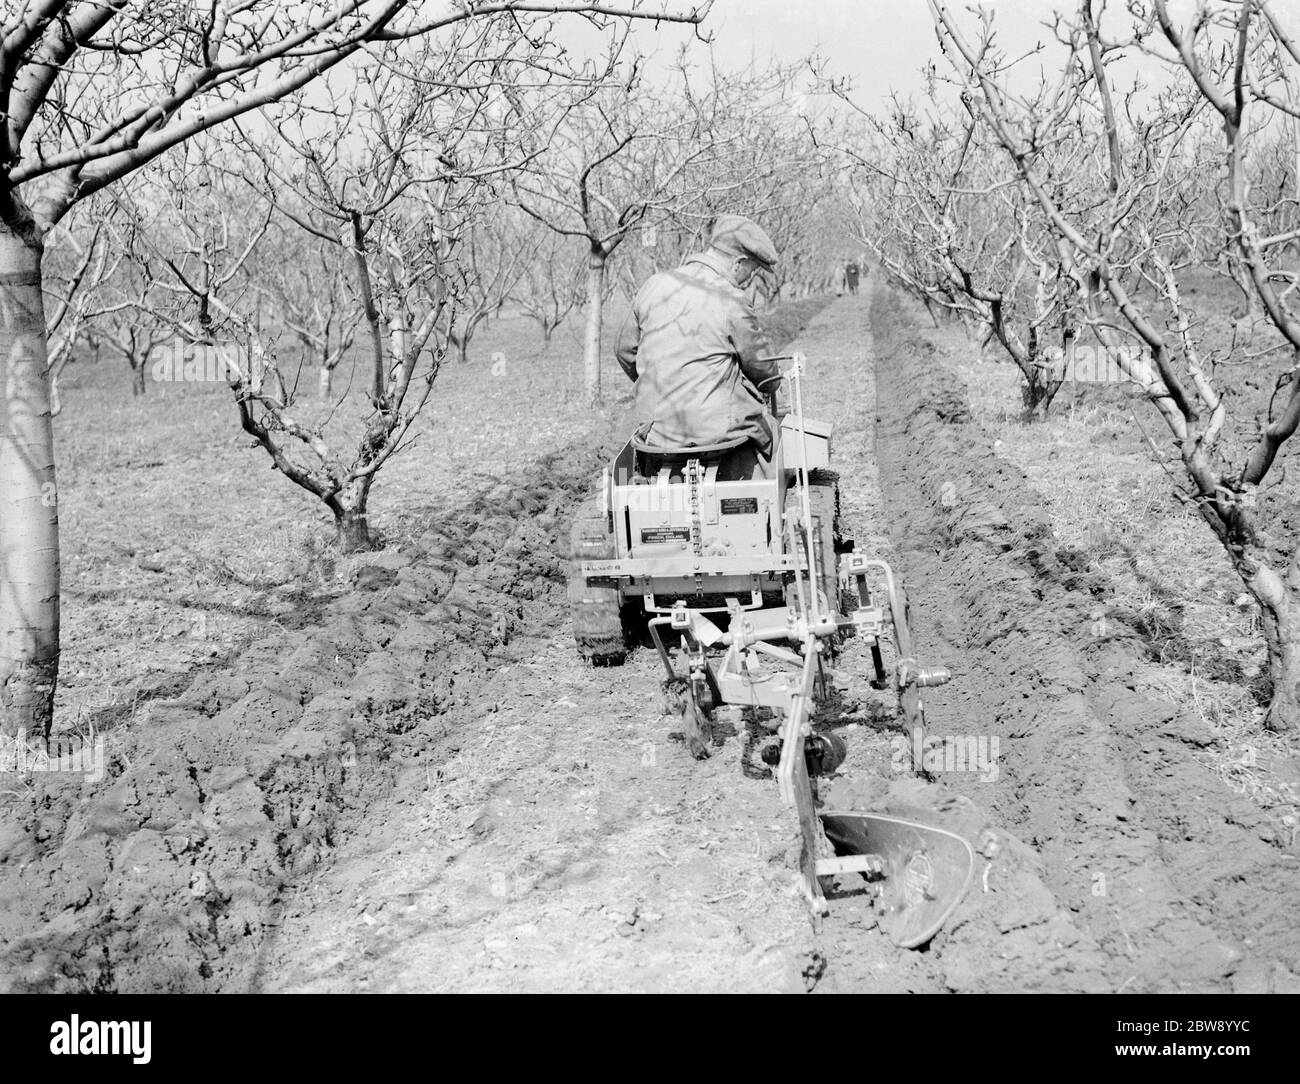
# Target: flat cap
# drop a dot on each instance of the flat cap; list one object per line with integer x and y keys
{"x": 741, "y": 237}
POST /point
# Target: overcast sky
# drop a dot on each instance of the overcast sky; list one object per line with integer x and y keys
{"x": 880, "y": 44}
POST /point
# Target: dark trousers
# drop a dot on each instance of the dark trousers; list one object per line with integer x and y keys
{"x": 733, "y": 466}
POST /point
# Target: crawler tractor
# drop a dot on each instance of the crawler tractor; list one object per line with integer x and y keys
{"x": 745, "y": 568}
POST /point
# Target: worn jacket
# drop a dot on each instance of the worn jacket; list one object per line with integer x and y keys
{"x": 693, "y": 346}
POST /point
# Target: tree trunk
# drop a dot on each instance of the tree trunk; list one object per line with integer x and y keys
{"x": 1279, "y": 607}
{"x": 595, "y": 313}
{"x": 1036, "y": 395}
{"x": 1043, "y": 377}
{"x": 1284, "y": 667}
{"x": 353, "y": 529}
{"x": 137, "y": 378}
{"x": 29, "y": 517}
{"x": 325, "y": 381}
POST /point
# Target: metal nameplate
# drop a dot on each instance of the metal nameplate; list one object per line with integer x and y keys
{"x": 665, "y": 534}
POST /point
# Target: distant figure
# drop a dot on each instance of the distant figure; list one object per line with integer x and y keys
{"x": 851, "y": 276}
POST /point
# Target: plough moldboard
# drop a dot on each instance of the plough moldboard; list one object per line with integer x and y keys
{"x": 749, "y": 584}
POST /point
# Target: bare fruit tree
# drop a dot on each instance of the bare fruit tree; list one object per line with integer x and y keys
{"x": 1127, "y": 232}
{"x": 933, "y": 206}
{"x": 85, "y": 102}
{"x": 551, "y": 286}
{"x": 314, "y": 298}
{"x": 397, "y": 186}
{"x": 125, "y": 327}
{"x": 496, "y": 253}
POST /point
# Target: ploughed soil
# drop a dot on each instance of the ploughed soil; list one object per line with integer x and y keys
{"x": 396, "y": 774}
{"x": 1146, "y": 872}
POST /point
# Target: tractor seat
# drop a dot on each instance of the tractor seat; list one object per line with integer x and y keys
{"x": 654, "y": 457}
{"x": 679, "y": 455}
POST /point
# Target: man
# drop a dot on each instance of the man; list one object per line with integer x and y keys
{"x": 851, "y": 276}
{"x": 694, "y": 348}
